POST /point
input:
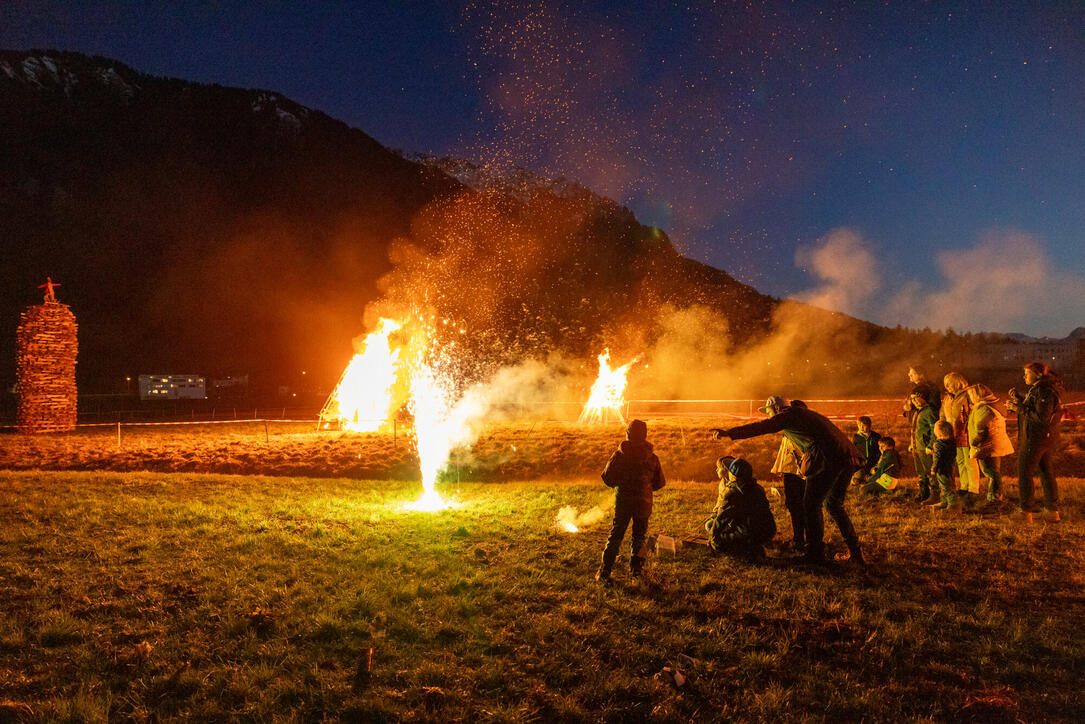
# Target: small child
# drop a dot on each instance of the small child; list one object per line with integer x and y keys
{"x": 866, "y": 440}
{"x": 886, "y": 473}
{"x": 722, "y": 464}
{"x": 945, "y": 462}
{"x": 635, "y": 474}
{"x": 744, "y": 524}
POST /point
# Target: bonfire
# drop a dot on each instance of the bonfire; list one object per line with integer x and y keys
{"x": 607, "y": 396}
{"x": 362, "y": 401}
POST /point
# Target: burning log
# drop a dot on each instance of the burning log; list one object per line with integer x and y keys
{"x": 46, "y": 349}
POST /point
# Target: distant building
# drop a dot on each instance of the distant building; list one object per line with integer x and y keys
{"x": 1065, "y": 355}
{"x": 172, "y": 387}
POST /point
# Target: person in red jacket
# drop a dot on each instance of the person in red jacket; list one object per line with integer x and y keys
{"x": 635, "y": 474}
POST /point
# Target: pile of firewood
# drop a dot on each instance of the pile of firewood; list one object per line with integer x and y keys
{"x": 45, "y": 361}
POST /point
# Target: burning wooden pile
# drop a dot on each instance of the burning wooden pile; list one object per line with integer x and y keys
{"x": 46, "y": 348}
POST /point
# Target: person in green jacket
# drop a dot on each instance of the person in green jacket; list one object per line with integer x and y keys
{"x": 1039, "y": 412}
{"x": 988, "y": 441}
{"x": 886, "y": 473}
{"x": 866, "y": 441}
{"x": 922, "y": 445}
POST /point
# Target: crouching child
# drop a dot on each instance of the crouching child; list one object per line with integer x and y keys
{"x": 886, "y": 475}
{"x": 744, "y": 523}
{"x": 635, "y": 474}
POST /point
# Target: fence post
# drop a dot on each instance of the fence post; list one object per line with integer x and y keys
{"x": 118, "y": 433}
{"x": 394, "y": 433}
{"x": 266, "y": 438}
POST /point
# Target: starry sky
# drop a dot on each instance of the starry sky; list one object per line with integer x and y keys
{"x": 908, "y": 163}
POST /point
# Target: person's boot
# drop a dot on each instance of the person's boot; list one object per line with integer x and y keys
{"x": 854, "y": 556}
{"x": 636, "y": 567}
{"x": 924, "y": 494}
{"x": 605, "y": 567}
{"x": 1051, "y": 516}
{"x": 1021, "y": 516}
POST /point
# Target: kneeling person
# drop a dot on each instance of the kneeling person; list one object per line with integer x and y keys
{"x": 886, "y": 475}
{"x": 744, "y": 523}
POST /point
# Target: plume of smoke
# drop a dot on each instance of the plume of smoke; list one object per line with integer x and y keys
{"x": 568, "y": 518}
{"x": 1006, "y": 281}
{"x": 847, "y": 271}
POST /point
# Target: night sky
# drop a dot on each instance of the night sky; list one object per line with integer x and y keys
{"x": 922, "y": 166}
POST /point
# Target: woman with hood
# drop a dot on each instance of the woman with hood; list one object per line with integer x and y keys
{"x": 988, "y": 441}
{"x": 955, "y": 409}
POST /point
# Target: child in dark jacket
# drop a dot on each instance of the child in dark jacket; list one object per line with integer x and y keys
{"x": 635, "y": 474}
{"x": 945, "y": 462}
{"x": 886, "y": 473}
{"x": 744, "y": 523}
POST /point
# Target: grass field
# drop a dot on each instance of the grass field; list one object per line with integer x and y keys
{"x": 501, "y": 452}
{"x": 207, "y": 597}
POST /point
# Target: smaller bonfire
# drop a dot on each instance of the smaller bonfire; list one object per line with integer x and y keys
{"x": 607, "y": 395}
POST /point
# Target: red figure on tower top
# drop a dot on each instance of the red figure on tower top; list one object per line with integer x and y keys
{"x": 48, "y": 287}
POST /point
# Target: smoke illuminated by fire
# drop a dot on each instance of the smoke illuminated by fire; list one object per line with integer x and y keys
{"x": 607, "y": 394}
{"x": 569, "y": 521}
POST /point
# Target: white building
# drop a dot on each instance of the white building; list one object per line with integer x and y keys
{"x": 172, "y": 387}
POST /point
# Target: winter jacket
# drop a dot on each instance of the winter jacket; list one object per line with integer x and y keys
{"x": 820, "y": 443}
{"x": 744, "y": 518}
{"x": 923, "y": 429}
{"x": 987, "y": 432}
{"x": 955, "y": 410}
{"x": 787, "y": 458}
{"x": 945, "y": 457}
{"x": 888, "y": 464}
{"x": 1039, "y": 414}
{"x": 635, "y": 473}
{"x": 867, "y": 445}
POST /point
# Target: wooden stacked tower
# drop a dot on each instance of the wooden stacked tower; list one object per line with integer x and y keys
{"x": 45, "y": 363}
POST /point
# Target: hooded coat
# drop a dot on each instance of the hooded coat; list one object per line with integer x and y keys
{"x": 635, "y": 473}
{"x": 987, "y": 431}
{"x": 955, "y": 410}
{"x": 744, "y": 518}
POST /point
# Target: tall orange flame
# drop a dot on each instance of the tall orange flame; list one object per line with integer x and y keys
{"x": 607, "y": 394}
{"x": 363, "y": 399}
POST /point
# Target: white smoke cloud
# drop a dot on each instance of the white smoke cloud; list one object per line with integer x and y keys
{"x": 847, "y": 269}
{"x": 1005, "y": 282}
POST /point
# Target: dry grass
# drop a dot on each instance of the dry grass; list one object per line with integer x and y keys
{"x": 204, "y": 597}
{"x": 521, "y": 451}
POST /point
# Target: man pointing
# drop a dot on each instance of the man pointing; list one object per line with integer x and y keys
{"x": 828, "y": 459}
